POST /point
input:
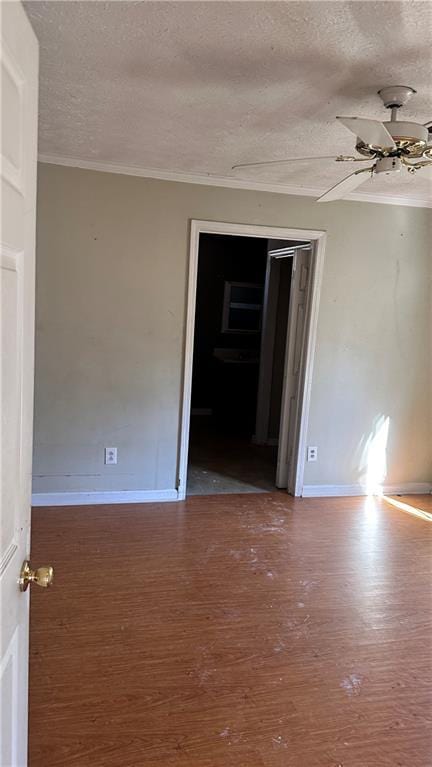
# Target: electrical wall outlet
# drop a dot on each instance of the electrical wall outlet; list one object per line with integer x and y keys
{"x": 312, "y": 453}
{"x": 110, "y": 455}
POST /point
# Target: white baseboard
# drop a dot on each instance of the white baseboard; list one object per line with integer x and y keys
{"x": 408, "y": 488}
{"x": 108, "y": 497}
{"x": 331, "y": 491}
{"x": 334, "y": 491}
{"x": 158, "y": 496}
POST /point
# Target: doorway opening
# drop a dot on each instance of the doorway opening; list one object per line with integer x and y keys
{"x": 251, "y": 326}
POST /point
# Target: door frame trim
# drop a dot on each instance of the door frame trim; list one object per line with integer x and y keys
{"x": 318, "y": 238}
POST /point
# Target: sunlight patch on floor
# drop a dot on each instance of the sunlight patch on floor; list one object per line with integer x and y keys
{"x": 408, "y": 509}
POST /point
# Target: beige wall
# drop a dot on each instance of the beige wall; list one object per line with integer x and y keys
{"x": 111, "y": 294}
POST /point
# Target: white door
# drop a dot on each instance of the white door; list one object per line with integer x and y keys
{"x": 268, "y": 331}
{"x": 19, "y": 91}
{"x": 291, "y": 391}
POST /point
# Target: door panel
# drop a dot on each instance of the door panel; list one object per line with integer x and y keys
{"x": 271, "y": 289}
{"x": 296, "y": 336}
{"x": 19, "y": 73}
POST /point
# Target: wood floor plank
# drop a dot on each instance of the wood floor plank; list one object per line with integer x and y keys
{"x": 246, "y": 630}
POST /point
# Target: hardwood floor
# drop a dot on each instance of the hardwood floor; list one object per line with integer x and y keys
{"x": 235, "y": 630}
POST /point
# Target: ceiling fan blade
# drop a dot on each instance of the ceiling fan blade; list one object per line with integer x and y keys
{"x": 371, "y": 132}
{"x": 280, "y": 162}
{"x": 348, "y": 184}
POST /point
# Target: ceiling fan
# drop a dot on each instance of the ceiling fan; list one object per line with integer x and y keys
{"x": 392, "y": 145}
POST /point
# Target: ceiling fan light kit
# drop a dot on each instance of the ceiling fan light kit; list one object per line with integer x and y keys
{"x": 392, "y": 146}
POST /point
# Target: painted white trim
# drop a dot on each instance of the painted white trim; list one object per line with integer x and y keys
{"x": 408, "y": 488}
{"x": 226, "y": 181}
{"x": 255, "y": 230}
{"x": 267, "y": 232}
{"x": 188, "y": 360}
{"x": 94, "y": 497}
{"x": 334, "y": 491}
{"x": 331, "y": 491}
{"x": 311, "y": 332}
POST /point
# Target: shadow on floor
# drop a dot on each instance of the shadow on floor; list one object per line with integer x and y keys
{"x": 223, "y": 462}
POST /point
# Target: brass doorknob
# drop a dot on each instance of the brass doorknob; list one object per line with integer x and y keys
{"x": 43, "y": 576}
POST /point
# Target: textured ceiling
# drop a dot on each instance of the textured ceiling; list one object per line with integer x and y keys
{"x": 195, "y": 87}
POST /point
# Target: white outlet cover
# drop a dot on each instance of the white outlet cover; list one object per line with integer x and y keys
{"x": 312, "y": 454}
{"x": 110, "y": 455}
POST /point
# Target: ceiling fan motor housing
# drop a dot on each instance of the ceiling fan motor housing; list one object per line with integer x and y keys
{"x": 411, "y": 140}
{"x": 407, "y": 134}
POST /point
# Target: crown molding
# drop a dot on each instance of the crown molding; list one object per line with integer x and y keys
{"x": 224, "y": 181}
